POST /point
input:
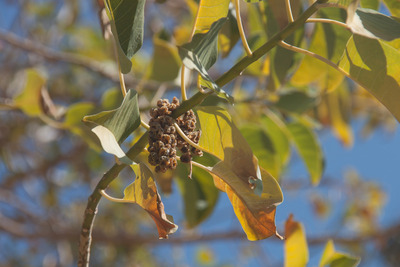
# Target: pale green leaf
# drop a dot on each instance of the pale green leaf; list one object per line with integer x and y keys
{"x": 29, "y": 100}
{"x": 377, "y": 71}
{"x": 308, "y": 148}
{"x": 296, "y": 248}
{"x": 370, "y": 23}
{"x": 120, "y": 122}
{"x": 201, "y": 53}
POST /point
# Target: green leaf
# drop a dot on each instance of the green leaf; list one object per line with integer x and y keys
{"x": 29, "y": 100}
{"x": 328, "y": 41}
{"x": 377, "y": 71}
{"x": 143, "y": 191}
{"x": 295, "y": 101}
{"x": 278, "y": 133}
{"x": 336, "y": 259}
{"x": 308, "y": 148}
{"x": 114, "y": 126}
{"x": 127, "y": 21}
{"x": 165, "y": 63}
{"x": 263, "y": 148}
{"x": 370, "y": 23}
{"x": 201, "y": 53}
{"x": 296, "y": 248}
{"x": 199, "y": 193}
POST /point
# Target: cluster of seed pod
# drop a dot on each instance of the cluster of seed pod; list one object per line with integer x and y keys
{"x": 163, "y": 138}
{"x": 187, "y": 122}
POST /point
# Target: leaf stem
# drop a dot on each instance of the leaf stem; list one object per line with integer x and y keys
{"x": 240, "y": 66}
{"x": 241, "y": 30}
{"x": 113, "y": 199}
{"x": 201, "y": 166}
{"x": 184, "y": 136}
{"x": 331, "y": 21}
{"x": 85, "y": 239}
{"x": 289, "y": 11}
{"x": 144, "y": 125}
{"x": 311, "y": 54}
{"x": 183, "y": 87}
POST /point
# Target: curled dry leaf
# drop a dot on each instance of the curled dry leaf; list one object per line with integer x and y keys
{"x": 143, "y": 191}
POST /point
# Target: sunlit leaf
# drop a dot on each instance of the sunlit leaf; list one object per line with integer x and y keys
{"x": 209, "y": 12}
{"x": 328, "y": 41}
{"x": 229, "y": 34}
{"x": 114, "y": 126}
{"x": 143, "y": 191}
{"x": 308, "y": 148}
{"x": 127, "y": 21}
{"x": 165, "y": 63}
{"x": 29, "y": 100}
{"x": 296, "y": 248}
{"x": 340, "y": 125}
{"x": 201, "y": 53}
{"x": 370, "y": 23}
{"x": 336, "y": 259}
{"x": 378, "y": 72}
{"x": 237, "y": 171}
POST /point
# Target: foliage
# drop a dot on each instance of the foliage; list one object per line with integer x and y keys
{"x": 304, "y": 66}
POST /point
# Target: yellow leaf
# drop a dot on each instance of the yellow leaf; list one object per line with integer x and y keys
{"x": 143, "y": 191}
{"x": 236, "y": 172}
{"x": 296, "y": 249}
{"x": 209, "y": 12}
{"x": 29, "y": 101}
{"x": 328, "y": 253}
{"x": 340, "y": 126}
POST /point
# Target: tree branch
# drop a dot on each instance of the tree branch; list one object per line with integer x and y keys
{"x": 236, "y": 70}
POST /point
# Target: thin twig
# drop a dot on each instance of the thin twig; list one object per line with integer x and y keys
{"x": 144, "y": 125}
{"x": 183, "y": 135}
{"x": 331, "y": 21}
{"x": 183, "y": 87}
{"x": 289, "y": 11}
{"x": 54, "y": 55}
{"x": 312, "y": 54}
{"x": 113, "y": 199}
{"x": 241, "y": 30}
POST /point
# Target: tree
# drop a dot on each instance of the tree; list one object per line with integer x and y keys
{"x": 214, "y": 98}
